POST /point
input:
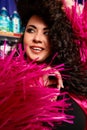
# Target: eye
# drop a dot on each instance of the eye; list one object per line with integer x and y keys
{"x": 46, "y": 33}
{"x": 30, "y": 30}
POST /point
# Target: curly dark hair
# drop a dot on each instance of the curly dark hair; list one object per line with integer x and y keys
{"x": 27, "y": 8}
{"x": 62, "y": 40}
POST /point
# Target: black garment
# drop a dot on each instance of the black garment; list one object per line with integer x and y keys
{"x": 79, "y": 120}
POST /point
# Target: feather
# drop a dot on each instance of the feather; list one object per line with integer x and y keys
{"x": 77, "y": 15}
{"x": 25, "y": 104}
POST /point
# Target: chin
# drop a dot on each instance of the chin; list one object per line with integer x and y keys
{"x": 40, "y": 60}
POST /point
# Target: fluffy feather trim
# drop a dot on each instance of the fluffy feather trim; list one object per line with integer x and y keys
{"x": 77, "y": 14}
{"x": 25, "y": 104}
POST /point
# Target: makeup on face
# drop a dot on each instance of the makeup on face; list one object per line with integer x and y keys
{"x": 36, "y": 39}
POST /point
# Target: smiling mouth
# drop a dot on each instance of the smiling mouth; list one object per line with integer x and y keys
{"x": 37, "y": 49}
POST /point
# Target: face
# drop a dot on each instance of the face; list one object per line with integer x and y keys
{"x": 36, "y": 39}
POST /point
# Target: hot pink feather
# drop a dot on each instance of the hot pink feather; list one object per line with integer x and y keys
{"x": 25, "y": 104}
{"x": 78, "y": 19}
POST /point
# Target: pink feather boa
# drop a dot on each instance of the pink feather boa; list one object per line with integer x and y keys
{"x": 78, "y": 19}
{"x": 77, "y": 15}
{"x": 25, "y": 104}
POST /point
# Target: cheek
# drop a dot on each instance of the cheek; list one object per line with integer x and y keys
{"x": 48, "y": 48}
{"x": 48, "y": 44}
{"x": 25, "y": 46}
{"x": 27, "y": 39}
{"x": 26, "y": 42}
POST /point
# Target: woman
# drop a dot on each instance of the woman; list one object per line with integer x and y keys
{"x": 36, "y": 41}
{"x": 24, "y": 101}
{"x": 48, "y": 38}
{"x": 62, "y": 41}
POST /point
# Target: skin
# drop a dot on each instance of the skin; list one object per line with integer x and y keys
{"x": 36, "y": 39}
{"x": 37, "y": 47}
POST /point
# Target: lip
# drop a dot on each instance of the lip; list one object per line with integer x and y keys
{"x": 36, "y": 49}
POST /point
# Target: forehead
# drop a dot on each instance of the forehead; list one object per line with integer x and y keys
{"x": 37, "y": 20}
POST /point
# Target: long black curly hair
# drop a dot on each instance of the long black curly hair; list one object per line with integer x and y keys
{"x": 62, "y": 40}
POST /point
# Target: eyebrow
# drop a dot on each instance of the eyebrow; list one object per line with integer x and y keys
{"x": 36, "y": 28}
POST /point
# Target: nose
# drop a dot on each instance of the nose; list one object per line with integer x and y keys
{"x": 37, "y": 38}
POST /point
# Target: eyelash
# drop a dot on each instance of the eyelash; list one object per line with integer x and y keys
{"x": 30, "y": 30}
{"x": 46, "y": 33}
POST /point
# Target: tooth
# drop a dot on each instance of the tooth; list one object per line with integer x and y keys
{"x": 37, "y": 49}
